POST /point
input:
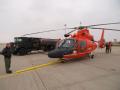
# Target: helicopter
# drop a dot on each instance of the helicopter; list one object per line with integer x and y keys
{"x": 79, "y": 44}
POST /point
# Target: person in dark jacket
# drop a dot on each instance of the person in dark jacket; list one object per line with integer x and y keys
{"x": 7, "y": 57}
{"x": 107, "y": 47}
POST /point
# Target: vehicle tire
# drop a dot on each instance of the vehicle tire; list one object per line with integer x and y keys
{"x": 62, "y": 60}
{"x": 22, "y": 51}
{"x": 45, "y": 49}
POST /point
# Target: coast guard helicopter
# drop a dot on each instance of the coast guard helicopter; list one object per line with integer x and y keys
{"x": 79, "y": 44}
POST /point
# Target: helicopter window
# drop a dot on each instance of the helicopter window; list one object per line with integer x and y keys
{"x": 67, "y": 43}
{"x": 82, "y": 44}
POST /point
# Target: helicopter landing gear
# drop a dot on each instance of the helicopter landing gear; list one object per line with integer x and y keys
{"x": 91, "y": 56}
{"x": 62, "y": 60}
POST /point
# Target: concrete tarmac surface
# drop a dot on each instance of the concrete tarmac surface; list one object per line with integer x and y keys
{"x": 100, "y": 73}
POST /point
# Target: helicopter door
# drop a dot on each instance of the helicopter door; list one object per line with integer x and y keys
{"x": 82, "y": 46}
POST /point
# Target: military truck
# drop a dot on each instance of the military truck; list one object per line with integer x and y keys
{"x": 24, "y": 45}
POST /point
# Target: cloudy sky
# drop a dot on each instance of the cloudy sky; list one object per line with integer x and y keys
{"x": 18, "y": 17}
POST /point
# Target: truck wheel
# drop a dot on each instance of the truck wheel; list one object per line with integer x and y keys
{"x": 45, "y": 49}
{"x": 22, "y": 51}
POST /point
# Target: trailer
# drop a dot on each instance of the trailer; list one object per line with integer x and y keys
{"x": 24, "y": 45}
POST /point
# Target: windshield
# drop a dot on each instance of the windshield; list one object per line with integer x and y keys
{"x": 67, "y": 43}
{"x": 18, "y": 40}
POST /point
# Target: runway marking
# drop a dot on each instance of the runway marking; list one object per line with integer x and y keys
{"x": 29, "y": 69}
{"x": 36, "y": 67}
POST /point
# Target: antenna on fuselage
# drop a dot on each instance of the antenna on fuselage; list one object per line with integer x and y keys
{"x": 65, "y": 28}
{"x": 80, "y": 23}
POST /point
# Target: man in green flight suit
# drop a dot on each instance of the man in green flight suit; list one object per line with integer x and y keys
{"x": 7, "y": 53}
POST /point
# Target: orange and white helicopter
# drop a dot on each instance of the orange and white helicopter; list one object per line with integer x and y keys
{"x": 79, "y": 44}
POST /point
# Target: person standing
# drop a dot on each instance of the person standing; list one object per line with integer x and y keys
{"x": 107, "y": 47}
{"x": 7, "y": 53}
{"x": 110, "y": 46}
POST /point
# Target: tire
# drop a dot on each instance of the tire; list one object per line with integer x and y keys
{"x": 92, "y": 56}
{"x": 62, "y": 60}
{"x": 44, "y": 49}
{"x": 22, "y": 51}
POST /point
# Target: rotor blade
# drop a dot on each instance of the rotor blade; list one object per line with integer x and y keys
{"x": 71, "y": 31}
{"x": 107, "y": 29}
{"x": 75, "y": 28}
{"x": 104, "y": 24}
{"x": 45, "y": 31}
{"x": 38, "y": 32}
{"x": 93, "y": 25}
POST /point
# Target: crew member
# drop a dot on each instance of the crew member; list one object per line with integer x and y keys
{"x": 107, "y": 47}
{"x": 110, "y": 46}
{"x": 7, "y": 57}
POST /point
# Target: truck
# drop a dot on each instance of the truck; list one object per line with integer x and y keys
{"x": 24, "y": 45}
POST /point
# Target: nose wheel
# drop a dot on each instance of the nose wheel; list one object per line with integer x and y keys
{"x": 62, "y": 60}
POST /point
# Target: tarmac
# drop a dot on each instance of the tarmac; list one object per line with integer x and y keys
{"x": 100, "y": 73}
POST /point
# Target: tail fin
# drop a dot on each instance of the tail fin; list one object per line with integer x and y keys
{"x": 102, "y": 41}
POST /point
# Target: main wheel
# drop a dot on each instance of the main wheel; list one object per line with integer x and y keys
{"x": 92, "y": 56}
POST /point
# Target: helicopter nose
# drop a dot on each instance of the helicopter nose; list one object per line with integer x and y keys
{"x": 59, "y": 53}
{"x": 55, "y": 54}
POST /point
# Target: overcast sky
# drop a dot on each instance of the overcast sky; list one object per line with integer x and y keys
{"x": 18, "y": 17}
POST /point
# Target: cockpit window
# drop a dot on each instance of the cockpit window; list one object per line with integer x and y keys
{"x": 67, "y": 43}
